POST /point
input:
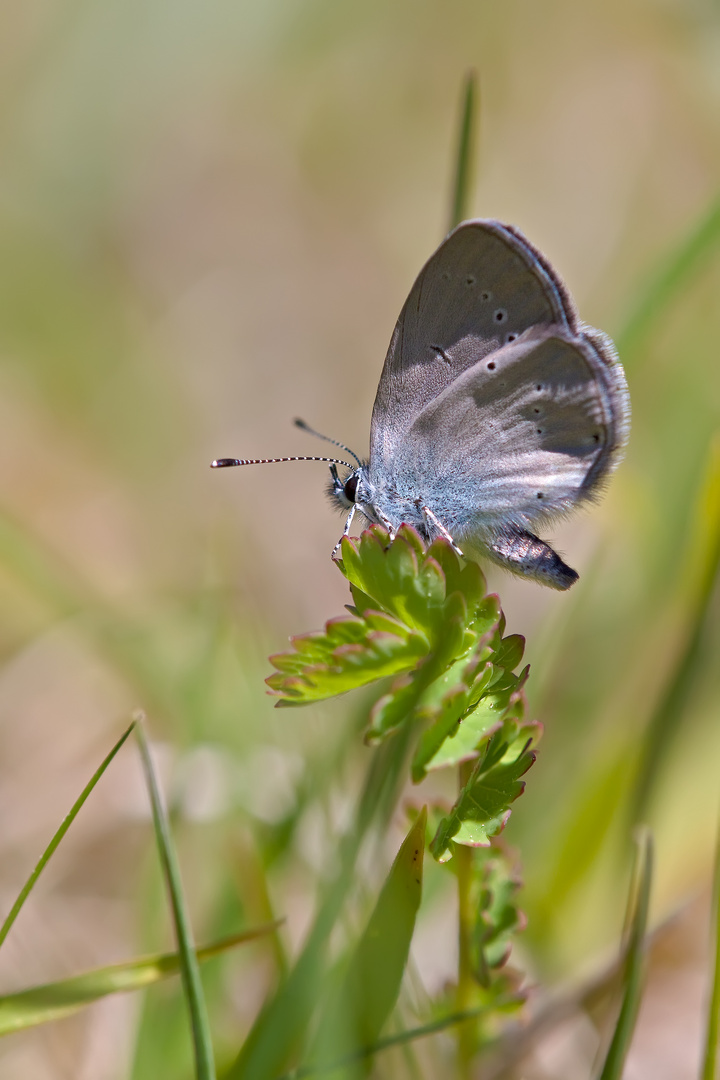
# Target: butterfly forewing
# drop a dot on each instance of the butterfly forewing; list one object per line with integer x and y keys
{"x": 484, "y": 286}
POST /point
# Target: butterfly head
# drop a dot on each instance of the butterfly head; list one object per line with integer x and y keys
{"x": 344, "y": 490}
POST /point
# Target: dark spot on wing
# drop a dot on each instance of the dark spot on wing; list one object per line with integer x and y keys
{"x": 441, "y": 353}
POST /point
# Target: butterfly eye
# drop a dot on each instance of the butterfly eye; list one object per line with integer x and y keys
{"x": 350, "y": 489}
{"x": 491, "y": 365}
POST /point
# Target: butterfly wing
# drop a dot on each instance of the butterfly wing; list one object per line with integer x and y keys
{"x": 523, "y": 434}
{"x": 485, "y": 285}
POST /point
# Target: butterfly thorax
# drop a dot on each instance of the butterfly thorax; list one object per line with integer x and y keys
{"x": 381, "y": 502}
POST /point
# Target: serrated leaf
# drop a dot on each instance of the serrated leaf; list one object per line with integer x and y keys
{"x": 483, "y": 806}
{"x": 469, "y": 734}
{"x": 511, "y": 652}
{"x": 416, "y": 614}
{"x": 494, "y": 702}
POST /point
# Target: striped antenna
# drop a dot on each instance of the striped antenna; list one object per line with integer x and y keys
{"x": 226, "y": 462}
{"x": 311, "y": 431}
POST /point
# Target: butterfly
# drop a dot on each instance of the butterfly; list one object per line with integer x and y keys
{"x": 497, "y": 410}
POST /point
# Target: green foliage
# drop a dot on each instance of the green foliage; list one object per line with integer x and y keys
{"x": 633, "y": 975}
{"x": 42, "y": 1004}
{"x": 360, "y": 1002}
{"x": 498, "y": 918}
{"x": 189, "y": 969}
{"x": 97, "y": 416}
{"x": 423, "y": 616}
{"x": 712, "y": 1021}
{"x": 59, "y": 835}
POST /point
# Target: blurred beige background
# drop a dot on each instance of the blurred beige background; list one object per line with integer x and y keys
{"x": 210, "y": 215}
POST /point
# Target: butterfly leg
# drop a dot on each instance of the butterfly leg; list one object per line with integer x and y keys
{"x": 392, "y": 532}
{"x": 345, "y": 532}
{"x": 429, "y": 516}
{"x": 524, "y": 553}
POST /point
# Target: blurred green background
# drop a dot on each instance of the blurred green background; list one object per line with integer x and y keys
{"x": 210, "y": 216}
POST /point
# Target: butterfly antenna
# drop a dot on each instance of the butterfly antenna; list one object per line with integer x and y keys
{"x": 311, "y": 431}
{"x": 226, "y": 462}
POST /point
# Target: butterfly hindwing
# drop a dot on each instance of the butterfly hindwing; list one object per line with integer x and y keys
{"x": 524, "y": 433}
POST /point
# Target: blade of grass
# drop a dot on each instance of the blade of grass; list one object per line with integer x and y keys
{"x": 466, "y": 981}
{"x": 52, "y": 1001}
{"x": 283, "y": 1020}
{"x": 361, "y": 1002}
{"x": 53, "y": 845}
{"x": 401, "y": 1038}
{"x": 464, "y": 154}
{"x": 703, "y": 561}
{"x": 672, "y": 278}
{"x": 459, "y": 211}
{"x": 503, "y": 1056}
{"x": 709, "y": 1065}
{"x": 633, "y": 976}
{"x": 192, "y": 985}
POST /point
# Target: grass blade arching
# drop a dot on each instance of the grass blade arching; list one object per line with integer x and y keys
{"x": 634, "y": 965}
{"x": 189, "y": 969}
{"x": 54, "y": 843}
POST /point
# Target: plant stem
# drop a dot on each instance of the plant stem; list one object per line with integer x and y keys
{"x": 466, "y": 982}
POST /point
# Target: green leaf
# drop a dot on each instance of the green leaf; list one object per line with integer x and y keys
{"x": 492, "y": 701}
{"x": 483, "y": 806}
{"x": 283, "y": 1021}
{"x": 668, "y": 284}
{"x": 418, "y": 615}
{"x": 498, "y": 916}
{"x": 55, "y": 842}
{"x": 633, "y": 978}
{"x": 712, "y": 1023}
{"x": 703, "y": 559}
{"x": 388, "y": 1042}
{"x": 41, "y": 1004}
{"x": 364, "y": 998}
{"x": 192, "y": 986}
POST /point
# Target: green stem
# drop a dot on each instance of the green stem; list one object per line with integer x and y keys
{"x": 466, "y": 982}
